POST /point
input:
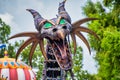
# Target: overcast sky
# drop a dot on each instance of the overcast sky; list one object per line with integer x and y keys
{"x": 14, "y": 13}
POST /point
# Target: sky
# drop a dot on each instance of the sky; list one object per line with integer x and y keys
{"x": 13, "y": 13}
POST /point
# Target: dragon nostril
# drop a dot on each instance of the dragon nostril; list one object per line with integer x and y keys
{"x": 55, "y": 29}
{"x": 64, "y": 27}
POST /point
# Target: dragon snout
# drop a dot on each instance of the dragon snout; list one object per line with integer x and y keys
{"x": 60, "y": 32}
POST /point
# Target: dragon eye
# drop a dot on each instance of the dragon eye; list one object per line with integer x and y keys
{"x": 62, "y": 21}
{"x": 47, "y": 25}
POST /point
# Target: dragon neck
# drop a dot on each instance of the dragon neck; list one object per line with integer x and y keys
{"x": 51, "y": 68}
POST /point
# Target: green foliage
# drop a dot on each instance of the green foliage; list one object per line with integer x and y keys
{"x": 4, "y": 34}
{"x": 77, "y": 66}
{"x": 108, "y": 29}
{"x": 37, "y": 60}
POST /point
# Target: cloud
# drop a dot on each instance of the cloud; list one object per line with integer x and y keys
{"x": 9, "y": 20}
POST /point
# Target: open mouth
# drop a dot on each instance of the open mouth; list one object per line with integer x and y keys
{"x": 62, "y": 53}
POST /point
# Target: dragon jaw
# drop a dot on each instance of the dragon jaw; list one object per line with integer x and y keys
{"x": 61, "y": 51}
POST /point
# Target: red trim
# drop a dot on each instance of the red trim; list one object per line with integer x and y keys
{"x": 0, "y": 72}
{"x": 27, "y": 74}
{"x": 13, "y": 74}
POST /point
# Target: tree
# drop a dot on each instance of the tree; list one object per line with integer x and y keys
{"x": 4, "y": 35}
{"x": 108, "y": 29}
{"x": 77, "y": 66}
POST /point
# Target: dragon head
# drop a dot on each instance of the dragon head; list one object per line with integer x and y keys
{"x": 56, "y": 31}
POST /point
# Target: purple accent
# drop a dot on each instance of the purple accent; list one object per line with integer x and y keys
{"x": 61, "y": 6}
{"x": 62, "y": 12}
{"x": 37, "y": 18}
{"x": 6, "y": 54}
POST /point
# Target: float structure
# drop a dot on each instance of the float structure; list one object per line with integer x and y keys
{"x": 15, "y": 70}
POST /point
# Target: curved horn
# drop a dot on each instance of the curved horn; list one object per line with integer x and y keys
{"x": 62, "y": 12}
{"x": 37, "y": 18}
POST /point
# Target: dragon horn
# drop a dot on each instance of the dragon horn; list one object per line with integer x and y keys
{"x": 37, "y": 18}
{"x": 62, "y": 12}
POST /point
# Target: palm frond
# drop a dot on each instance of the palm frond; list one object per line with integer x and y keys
{"x": 33, "y": 46}
{"x": 25, "y": 44}
{"x": 81, "y": 36}
{"x": 77, "y": 29}
{"x": 41, "y": 44}
{"x": 84, "y": 29}
{"x": 81, "y": 21}
{"x": 74, "y": 42}
{"x": 24, "y": 34}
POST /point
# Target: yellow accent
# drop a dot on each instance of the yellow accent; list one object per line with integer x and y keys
{"x": 5, "y": 54}
{"x": 1, "y": 78}
{"x": 9, "y": 60}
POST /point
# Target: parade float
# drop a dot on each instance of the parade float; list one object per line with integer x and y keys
{"x": 10, "y": 69}
{"x": 56, "y": 31}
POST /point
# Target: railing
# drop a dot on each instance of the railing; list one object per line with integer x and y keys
{"x": 52, "y": 73}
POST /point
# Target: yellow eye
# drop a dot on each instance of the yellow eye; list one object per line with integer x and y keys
{"x": 62, "y": 21}
{"x": 47, "y": 25}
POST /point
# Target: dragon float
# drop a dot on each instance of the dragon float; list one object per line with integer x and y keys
{"x": 56, "y": 31}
